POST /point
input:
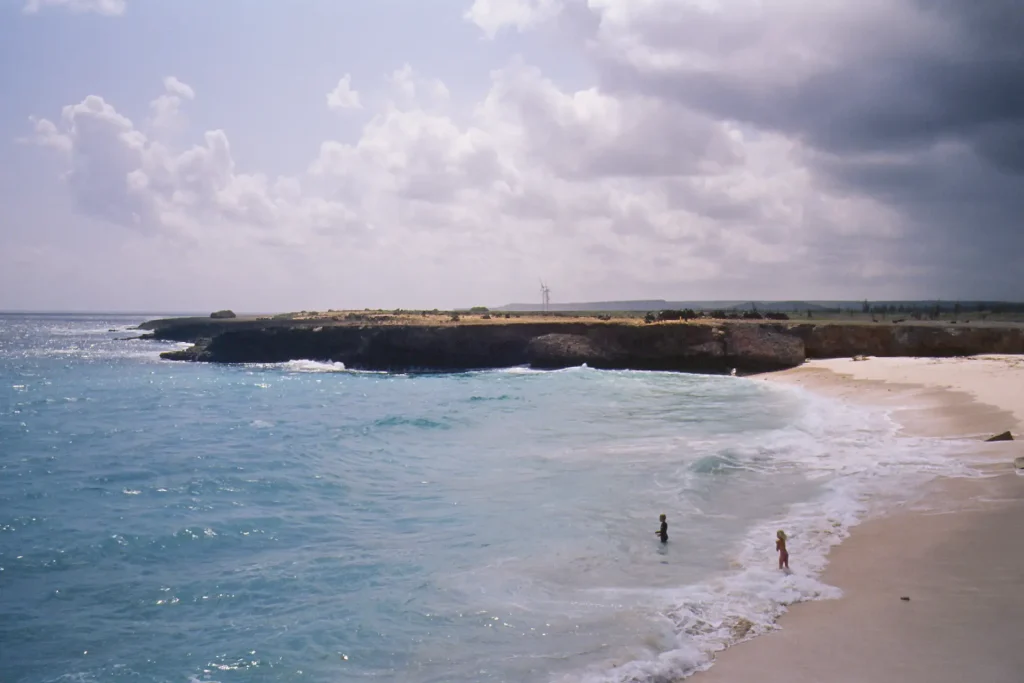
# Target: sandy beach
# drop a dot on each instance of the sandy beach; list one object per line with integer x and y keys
{"x": 958, "y": 555}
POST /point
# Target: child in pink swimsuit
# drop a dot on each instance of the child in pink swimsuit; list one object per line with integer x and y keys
{"x": 780, "y": 545}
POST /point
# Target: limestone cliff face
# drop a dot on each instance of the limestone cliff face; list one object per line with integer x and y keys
{"x": 544, "y": 345}
{"x": 696, "y": 347}
{"x": 837, "y": 340}
{"x": 764, "y": 346}
{"x": 693, "y": 348}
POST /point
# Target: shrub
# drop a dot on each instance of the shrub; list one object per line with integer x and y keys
{"x": 685, "y": 314}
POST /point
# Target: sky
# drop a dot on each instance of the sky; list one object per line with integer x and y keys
{"x": 191, "y": 155}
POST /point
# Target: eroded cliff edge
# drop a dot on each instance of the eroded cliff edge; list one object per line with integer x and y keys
{"x": 706, "y": 346}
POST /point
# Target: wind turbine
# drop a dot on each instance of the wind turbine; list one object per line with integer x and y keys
{"x": 545, "y": 295}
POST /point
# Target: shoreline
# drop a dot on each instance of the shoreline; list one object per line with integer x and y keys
{"x": 955, "y": 550}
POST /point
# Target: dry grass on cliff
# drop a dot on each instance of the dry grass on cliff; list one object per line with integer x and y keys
{"x": 435, "y": 318}
{"x": 451, "y": 318}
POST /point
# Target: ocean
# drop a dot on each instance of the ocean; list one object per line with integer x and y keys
{"x": 174, "y": 522}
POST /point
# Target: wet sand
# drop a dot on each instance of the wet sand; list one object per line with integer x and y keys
{"x": 958, "y": 553}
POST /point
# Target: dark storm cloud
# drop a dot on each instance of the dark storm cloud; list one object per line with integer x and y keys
{"x": 928, "y": 120}
{"x": 966, "y": 215}
{"x": 969, "y": 88}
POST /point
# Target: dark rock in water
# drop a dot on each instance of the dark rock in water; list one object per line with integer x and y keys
{"x": 226, "y": 313}
{"x": 905, "y": 598}
{"x": 194, "y": 353}
{"x": 189, "y": 354}
{"x": 1005, "y": 436}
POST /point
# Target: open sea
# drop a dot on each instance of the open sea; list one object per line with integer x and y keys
{"x": 164, "y": 522}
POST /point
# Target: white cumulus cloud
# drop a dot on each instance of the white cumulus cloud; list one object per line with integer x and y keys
{"x": 343, "y": 96}
{"x": 494, "y": 15}
{"x": 166, "y": 108}
{"x": 120, "y": 173}
{"x": 106, "y": 7}
{"x": 175, "y": 87}
{"x": 538, "y": 178}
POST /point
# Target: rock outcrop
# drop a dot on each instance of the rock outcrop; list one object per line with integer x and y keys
{"x": 708, "y": 347}
{"x": 1005, "y": 436}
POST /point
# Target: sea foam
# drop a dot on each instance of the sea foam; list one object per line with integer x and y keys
{"x": 867, "y": 468}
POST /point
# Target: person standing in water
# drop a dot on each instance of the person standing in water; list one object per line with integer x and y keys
{"x": 780, "y": 545}
{"x": 663, "y": 531}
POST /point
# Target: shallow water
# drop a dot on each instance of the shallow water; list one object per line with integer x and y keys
{"x": 168, "y": 522}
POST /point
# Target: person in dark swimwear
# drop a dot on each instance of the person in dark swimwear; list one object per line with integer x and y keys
{"x": 663, "y": 531}
{"x": 780, "y": 545}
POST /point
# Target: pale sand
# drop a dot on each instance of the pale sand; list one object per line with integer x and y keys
{"x": 973, "y": 396}
{"x": 959, "y": 558}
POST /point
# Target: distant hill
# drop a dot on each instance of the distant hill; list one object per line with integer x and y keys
{"x": 779, "y": 306}
{"x": 662, "y": 304}
{"x": 643, "y": 305}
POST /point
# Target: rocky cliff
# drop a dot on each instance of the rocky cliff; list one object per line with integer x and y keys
{"x": 938, "y": 340}
{"x": 693, "y": 347}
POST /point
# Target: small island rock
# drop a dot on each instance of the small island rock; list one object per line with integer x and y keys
{"x": 1005, "y": 436}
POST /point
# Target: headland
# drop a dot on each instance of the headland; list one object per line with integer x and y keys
{"x": 425, "y": 341}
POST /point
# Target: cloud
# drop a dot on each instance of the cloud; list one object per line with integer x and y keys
{"x": 722, "y": 150}
{"x": 410, "y": 88}
{"x": 104, "y": 7}
{"x": 343, "y": 96}
{"x": 494, "y": 15}
{"x": 175, "y": 87}
{"x": 121, "y": 174}
{"x": 590, "y": 133}
{"x": 166, "y": 108}
{"x": 889, "y": 103}
{"x": 541, "y": 178}
{"x": 46, "y": 134}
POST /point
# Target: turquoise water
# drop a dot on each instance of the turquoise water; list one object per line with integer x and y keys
{"x": 166, "y": 522}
